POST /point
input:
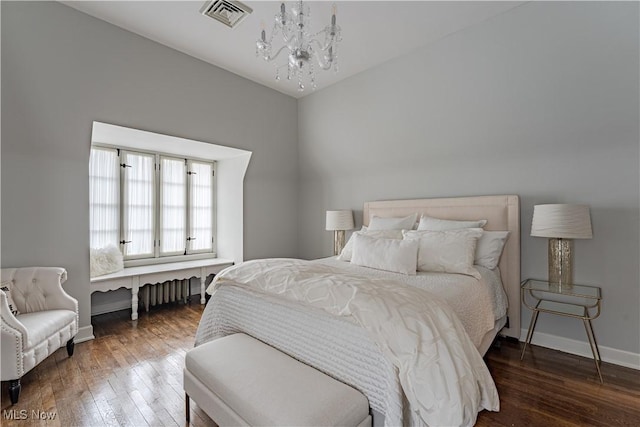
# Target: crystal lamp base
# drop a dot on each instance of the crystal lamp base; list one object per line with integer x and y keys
{"x": 560, "y": 261}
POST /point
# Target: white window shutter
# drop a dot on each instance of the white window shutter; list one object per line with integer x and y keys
{"x": 201, "y": 209}
{"x": 104, "y": 197}
{"x": 173, "y": 206}
{"x": 138, "y": 204}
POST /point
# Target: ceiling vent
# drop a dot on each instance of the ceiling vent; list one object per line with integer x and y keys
{"x": 229, "y": 12}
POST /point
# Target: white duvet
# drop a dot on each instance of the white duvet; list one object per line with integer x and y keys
{"x": 477, "y": 302}
{"x": 441, "y": 373}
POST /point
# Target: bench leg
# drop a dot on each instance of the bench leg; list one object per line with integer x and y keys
{"x": 186, "y": 407}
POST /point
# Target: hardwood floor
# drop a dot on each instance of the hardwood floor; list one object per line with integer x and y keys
{"x": 131, "y": 375}
{"x": 552, "y": 388}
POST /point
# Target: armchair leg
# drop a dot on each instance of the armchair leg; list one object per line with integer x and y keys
{"x": 14, "y": 390}
{"x": 70, "y": 345}
{"x": 187, "y": 408}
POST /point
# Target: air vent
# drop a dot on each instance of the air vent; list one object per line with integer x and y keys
{"x": 229, "y": 12}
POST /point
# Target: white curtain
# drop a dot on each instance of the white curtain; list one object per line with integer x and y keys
{"x": 173, "y": 206}
{"x": 201, "y": 212}
{"x": 104, "y": 198}
{"x": 139, "y": 204}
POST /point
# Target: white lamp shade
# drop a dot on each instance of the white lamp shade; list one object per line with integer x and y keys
{"x": 339, "y": 220}
{"x": 561, "y": 221}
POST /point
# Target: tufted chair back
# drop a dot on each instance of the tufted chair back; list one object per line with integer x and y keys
{"x": 36, "y": 288}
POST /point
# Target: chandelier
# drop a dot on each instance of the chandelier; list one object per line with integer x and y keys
{"x": 304, "y": 49}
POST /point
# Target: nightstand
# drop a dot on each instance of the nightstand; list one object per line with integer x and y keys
{"x": 579, "y": 301}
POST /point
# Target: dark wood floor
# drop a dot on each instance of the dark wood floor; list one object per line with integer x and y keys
{"x": 552, "y": 388}
{"x": 131, "y": 375}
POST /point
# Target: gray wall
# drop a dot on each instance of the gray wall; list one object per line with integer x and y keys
{"x": 61, "y": 70}
{"x": 541, "y": 101}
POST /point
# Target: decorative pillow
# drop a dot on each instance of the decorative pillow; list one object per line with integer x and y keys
{"x": 434, "y": 224}
{"x": 451, "y": 251}
{"x": 395, "y": 255}
{"x": 405, "y": 223}
{"x": 489, "y": 248}
{"x": 105, "y": 260}
{"x": 347, "y": 251}
{"x": 6, "y": 287}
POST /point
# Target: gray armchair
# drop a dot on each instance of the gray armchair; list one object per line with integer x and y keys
{"x": 47, "y": 320}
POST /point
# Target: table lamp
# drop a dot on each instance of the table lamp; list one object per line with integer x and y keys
{"x": 561, "y": 223}
{"x": 338, "y": 222}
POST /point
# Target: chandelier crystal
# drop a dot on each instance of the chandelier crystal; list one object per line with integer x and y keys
{"x": 304, "y": 49}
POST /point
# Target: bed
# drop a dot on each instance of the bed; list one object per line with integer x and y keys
{"x": 342, "y": 347}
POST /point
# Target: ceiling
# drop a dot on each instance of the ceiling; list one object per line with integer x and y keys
{"x": 373, "y": 32}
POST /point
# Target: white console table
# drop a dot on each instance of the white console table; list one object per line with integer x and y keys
{"x": 135, "y": 277}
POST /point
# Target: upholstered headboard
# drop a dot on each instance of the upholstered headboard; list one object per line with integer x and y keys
{"x": 501, "y": 213}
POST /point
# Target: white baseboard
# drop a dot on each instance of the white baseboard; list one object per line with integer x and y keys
{"x": 582, "y": 348}
{"x": 85, "y": 333}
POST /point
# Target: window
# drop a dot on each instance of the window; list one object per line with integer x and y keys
{"x": 173, "y": 197}
{"x": 138, "y": 205}
{"x": 151, "y": 205}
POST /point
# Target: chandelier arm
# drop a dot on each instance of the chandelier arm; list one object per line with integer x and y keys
{"x": 286, "y": 36}
{"x": 272, "y": 57}
{"x": 274, "y": 31}
{"x": 332, "y": 38}
{"x": 324, "y": 65}
{"x": 322, "y": 47}
{"x": 322, "y": 61}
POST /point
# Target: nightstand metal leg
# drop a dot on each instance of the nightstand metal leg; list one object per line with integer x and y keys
{"x": 595, "y": 343}
{"x": 532, "y": 326}
{"x": 594, "y": 347}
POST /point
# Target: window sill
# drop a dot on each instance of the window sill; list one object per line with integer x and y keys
{"x": 167, "y": 259}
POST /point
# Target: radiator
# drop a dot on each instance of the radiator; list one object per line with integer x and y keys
{"x": 169, "y": 291}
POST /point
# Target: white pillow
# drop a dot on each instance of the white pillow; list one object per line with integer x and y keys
{"x": 451, "y": 251}
{"x": 347, "y": 251}
{"x": 399, "y": 256}
{"x": 6, "y": 288}
{"x": 489, "y": 248}
{"x": 404, "y": 223}
{"x": 105, "y": 260}
{"x": 434, "y": 224}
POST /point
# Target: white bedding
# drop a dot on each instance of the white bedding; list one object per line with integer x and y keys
{"x": 478, "y": 303}
{"x": 448, "y": 391}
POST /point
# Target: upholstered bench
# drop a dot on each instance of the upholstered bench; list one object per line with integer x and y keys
{"x": 238, "y": 380}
